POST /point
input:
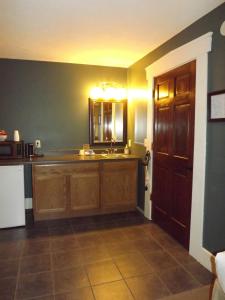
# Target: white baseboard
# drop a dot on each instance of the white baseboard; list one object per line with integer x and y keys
{"x": 204, "y": 257}
{"x": 28, "y": 203}
{"x": 148, "y": 206}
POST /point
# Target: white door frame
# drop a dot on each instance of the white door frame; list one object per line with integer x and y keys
{"x": 195, "y": 50}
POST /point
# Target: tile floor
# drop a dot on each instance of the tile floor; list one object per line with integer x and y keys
{"x": 118, "y": 256}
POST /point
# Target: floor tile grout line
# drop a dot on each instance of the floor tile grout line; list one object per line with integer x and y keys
{"x": 163, "y": 283}
{"x": 52, "y": 272}
{"x": 183, "y": 267}
{"x": 129, "y": 288}
{"x": 85, "y": 270}
{"x": 124, "y": 279}
{"x": 18, "y": 271}
{"x": 169, "y": 288}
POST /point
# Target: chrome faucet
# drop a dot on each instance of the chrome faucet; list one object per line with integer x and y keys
{"x": 111, "y": 150}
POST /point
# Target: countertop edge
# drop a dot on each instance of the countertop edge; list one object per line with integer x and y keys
{"x": 65, "y": 159}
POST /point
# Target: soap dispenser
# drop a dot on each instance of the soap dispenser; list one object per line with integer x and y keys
{"x": 126, "y": 150}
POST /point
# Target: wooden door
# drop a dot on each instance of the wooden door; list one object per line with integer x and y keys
{"x": 174, "y": 104}
{"x": 119, "y": 185}
{"x": 84, "y": 187}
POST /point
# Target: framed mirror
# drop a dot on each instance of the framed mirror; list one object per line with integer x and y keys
{"x": 107, "y": 121}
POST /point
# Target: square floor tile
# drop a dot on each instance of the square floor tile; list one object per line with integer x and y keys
{"x": 87, "y": 240}
{"x": 117, "y": 290}
{"x": 36, "y": 247}
{"x": 12, "y": 234}
{"x": 7, "y": 288}
{"x": 159, "y": 260}
{"x": 58, "y": 231}
{"x": 68, "y": 280}
{"x": 166, "y": 241}
{"x": 37, "y": 233}
{"x": 113, "y": 236}
{"x": 200, "y": 273}
{"x": 34, "y": 285}
{"x": 70, "y": 259}
{"x": 153, "y": 229}
{"x": 102, "y": 272}
{"x": 181, "y": 255}
{"x": 178, "y": 280}
{"x": 132, "y": 264}
{"x": 8, "y": 268}
{"x": 202, "y": 293}
{"x": 78, "y": 294}
{"x": 146, "y": 244}
{"x": 134, "y": 232}
{"x": 148, "y": 287}
{"x": 35, "y": 264}
{"x": 10, "y": 250}
{"x": 95, "y": 254}
{"x": 62, "y": 243}
{"x": 120, "y": 248}
{"x": 43, "y": 298}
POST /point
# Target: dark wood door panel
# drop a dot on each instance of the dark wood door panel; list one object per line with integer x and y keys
{"x": 182, "y": 132}
{"x": 161, "y": 188}
{"x": 173, "y": 150}
{"x": 163, "y": 130}
{"x": 163, "y": 90}
{"x": 180, "y": 210}
{"x": 180, "y": 200}
{"x": 182, "y": 85}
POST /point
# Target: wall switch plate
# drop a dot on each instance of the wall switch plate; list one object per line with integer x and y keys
{"x": 37, "y": 144}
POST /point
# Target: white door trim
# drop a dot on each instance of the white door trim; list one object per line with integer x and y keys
{"x": 195, "y": 50}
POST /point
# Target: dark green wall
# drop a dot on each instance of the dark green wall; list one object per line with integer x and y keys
{"x": 50, "y": 100}
{"x": 214, "y": 221}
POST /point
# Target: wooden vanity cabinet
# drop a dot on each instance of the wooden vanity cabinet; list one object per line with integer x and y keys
{"x": 65, "y": 190}
{"x": 85, "y": 188}
{"x": 119, "y": 185}
{"x": 49, "y": 191}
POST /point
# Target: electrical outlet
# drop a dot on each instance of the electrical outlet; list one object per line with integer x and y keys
{"x": 37, "y": 144}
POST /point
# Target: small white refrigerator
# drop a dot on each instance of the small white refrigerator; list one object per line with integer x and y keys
{"x": 12, "y": 206}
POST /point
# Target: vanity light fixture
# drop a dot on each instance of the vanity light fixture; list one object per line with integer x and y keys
{"x": 106, "y": 91}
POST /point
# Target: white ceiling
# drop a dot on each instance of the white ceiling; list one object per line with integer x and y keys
{"x": 97, "y": 32}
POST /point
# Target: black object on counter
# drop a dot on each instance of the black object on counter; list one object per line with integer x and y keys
{"x": 29, "y": 149}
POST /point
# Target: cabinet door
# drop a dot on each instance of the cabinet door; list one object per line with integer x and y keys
{"x": 49, "y": 190}
{"x": 84, "y": 187}
{"x": 119, "y": 184}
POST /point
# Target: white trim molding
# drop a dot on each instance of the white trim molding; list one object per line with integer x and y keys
{"x": 195, "y": 50}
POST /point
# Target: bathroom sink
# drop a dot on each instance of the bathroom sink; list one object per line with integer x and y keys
{"x": 111, "y": 155}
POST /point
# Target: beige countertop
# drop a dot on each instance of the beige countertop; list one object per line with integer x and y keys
{"x": 69, "y": 158}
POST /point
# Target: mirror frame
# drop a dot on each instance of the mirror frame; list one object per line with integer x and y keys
{"x": 91, "y": 127}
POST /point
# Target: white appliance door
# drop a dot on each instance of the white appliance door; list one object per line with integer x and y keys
{"x": 12, "y": 207}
